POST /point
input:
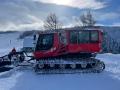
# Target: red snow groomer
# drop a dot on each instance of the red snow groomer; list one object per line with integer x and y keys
{"x": 68, "y": 51}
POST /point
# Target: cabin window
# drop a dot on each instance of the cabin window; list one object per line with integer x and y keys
{"x": 83, "y": 37}
{"x": 45, "y": 42}
{"x": 73, "y": 37}
{"x": 62, "y": 37}
{"x": 94, "y": 36}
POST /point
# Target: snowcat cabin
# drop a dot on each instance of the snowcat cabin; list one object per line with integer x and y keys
{"x": 50, "y": 45}
{"x": 84, "y": 41}
{"x": 44, "y": 44}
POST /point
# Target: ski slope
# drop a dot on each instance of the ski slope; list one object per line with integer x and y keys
{"x": 28, "y": 80}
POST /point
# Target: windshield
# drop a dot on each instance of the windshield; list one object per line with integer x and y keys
{"x": 45, "y": 42}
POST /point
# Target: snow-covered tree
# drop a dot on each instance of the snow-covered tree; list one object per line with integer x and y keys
{"x": 52, "y": 22}
{"x": 86, "y": 19}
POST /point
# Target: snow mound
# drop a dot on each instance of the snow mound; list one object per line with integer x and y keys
{"x": 112, "y": 62}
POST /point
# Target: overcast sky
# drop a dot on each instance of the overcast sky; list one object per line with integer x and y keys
{"x": 30, "y": 14}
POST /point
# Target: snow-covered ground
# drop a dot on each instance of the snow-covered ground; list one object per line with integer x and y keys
{"x": 28, "y": 80}
{"x": 9, "y": 41}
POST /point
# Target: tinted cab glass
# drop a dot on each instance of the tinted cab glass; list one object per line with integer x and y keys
{"x": 45, "y": 42}
{"x": 89, "y": 36}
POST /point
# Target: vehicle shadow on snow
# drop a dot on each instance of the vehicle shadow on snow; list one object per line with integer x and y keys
{"x": 102, "y": 81}
{"x": 6, "y": 72}
{"x": 4, "y": 69}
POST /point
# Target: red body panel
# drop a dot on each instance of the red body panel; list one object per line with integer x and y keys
{"x": 59, "y": 48}
{"x": 54, "y": 51}
{"x": 86, "y": 48}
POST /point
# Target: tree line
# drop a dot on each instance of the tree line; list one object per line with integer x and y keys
{"x": 52, "y": 21}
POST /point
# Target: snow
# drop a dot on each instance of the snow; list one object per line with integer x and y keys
{"x": 28, "y": 42}
{"x": 9, "y": 41}
{"x": 6, "y": 83}
{"x": 29, "y": 80}
{"x": 112, "y": 62}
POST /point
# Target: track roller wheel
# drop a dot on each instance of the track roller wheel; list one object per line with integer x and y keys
{"x": 41, "y": 66}
{"x": 62, "y": 66}
{"x": 83, "y": 65}
{"x": 73, "y": 66}
{"x": 52, "y": 65}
